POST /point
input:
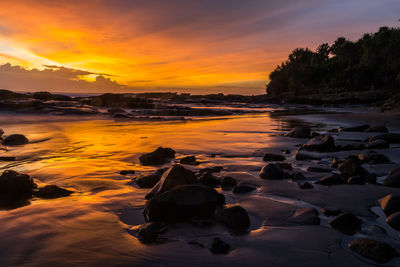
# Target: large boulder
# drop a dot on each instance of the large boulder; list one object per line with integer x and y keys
{"x": 273, "y": 157}
{"x": 372, "y": 157}
{"x": 352, "y": 167}
{"x": 299, "y": 132}
{"x": 52, "y": 191}
{"x": 346, "y": 223}
{"x": 333, "y": 179}
{"x": 392, "y": 138}
{"x": 305, "y": 216}
{"x": 321, "y": 144}
{"x": 235, "y": 218}
{"x": 159, "y": 156}
{"x": 271, "y": 172}
{"x": 372, "y": 249}
{"x": 183, "y": 203}
{"x": 390, "y": 204}
{"x": 14, "y": 185}
{"x": 15, "y": 140}
{"x": 394, "y": 220}
{"x": 393, "y": 178}
{"x": 176, "y": 175}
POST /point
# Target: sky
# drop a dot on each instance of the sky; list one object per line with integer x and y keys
{"x": 197, "y": 46}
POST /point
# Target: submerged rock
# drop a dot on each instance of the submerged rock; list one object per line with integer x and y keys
{"x": 372, "y": 249}
{"x": 176, "y": 175}
{"x": 271, "y": 172}
{"x": 52, "y": 191}
{"x": 244, "y": 188}
{"x": 321, "y": 144}
{"x": 273, "y": 157}
{"x": 14, "y": 185}
{"x": 189, "y": 160}
{"x": 157, "y": 157}
{"x": 306, "y": 216}
{"x": 299, "y": 132}
{"x": 372, "y": 157}
{"x": 208, "y": 179}
{"x": 183, "y": 203}
{"x": 393, "y": 178}
{"x": 378, "y": 144}
{"x": 148, "y": 233}
{"x": 219, "y": 247}
{"x": 390, "y": 204}
{"x": 235, "y": 218}
{"x": 346, "y": 223}
{"x": 394, "y": 220}
{"x": 333, "y": 179}
{"x": 15, "y": 140}
{"x": 228, "y": 183}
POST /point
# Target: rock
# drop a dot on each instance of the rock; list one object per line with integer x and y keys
{"x": 314, "y": 134}
{"x": 285, "y": 166}
{"x": 351, "y": 167}
{"x": 321, "y": 144}
{"x": 392, "y": 138}
{"x": 52, "y": 191}
{"x": 331, "y": 212}
{"x": 127, "y": 172}
{"x": 296, "y": 176}
{"x": 211, "y": 169}
{"x": 393, "y": 178}
{"x": 377, "y": 129}
{"x": 372, "y": 249}
{"x": 394, "y": 220}
{"x": 333, "y": 179}
{"x": 44, "y": 96}
{"x": 148, "y": 233}
{"x": 244, "y": 188}
{"x": 234, "y": 217}
{"x": 390, "y": 204}
{"x": 360, "y": 128}
{"x": 318, "y": 169}
{"x": 157, "y": 157}
{"x": 208, "y": 179}
{"x": 183, "y": 203}
{"x": 273, "y": 157}
{"x": 304, "y": 156}
{"x": 306, "y": 216}
{"x": 189, "y": 160}
{"x": 299, "y": 132}
{"x": 370, "y": 178}
{"x": 305, "y": 185}
{"x": 372, "y": 157}
{"x": 14, "y": 185}
{"x": 358, "y": 179}
{"x": 219, "y": 247}
{"x": 176, "y": 175}
{"x": 15, "y": 140}
{"x": 228, "y": 183}
{"x": 349, "y": 147}
{"x": 271, "y": 172}
{"x": 378, "y": 144}
{"x": 148, "y": 180}
{"x": 8, "y": 158}
{"x": 335, "y": 162}
{"x": 286, "y": 151}
{"x": 346, "y": 223}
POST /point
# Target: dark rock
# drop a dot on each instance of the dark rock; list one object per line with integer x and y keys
{"x": 314, "y": 134}
{"x": 159, "y": 156}
{"x": 208, "y": 179}
{"x": 176, "y": 175}
{"x": 148, "y": 180}
{"x": 336, "y": 162}
{"x": 360, "y": 128}
{"x": 183, "y": 203}
{"x": 305, "y": 185}
{"x": 235, "y": 218}
{"x": 346, "y": 223}
{"x": 45, "y": 96}
{"x": 333, "y": 179}
{"x": 320, "y": 144}
{"x": 378, "y": 144}
{"x": 306, "y": 216}
{"x": 370, "y": 178}
{"x": 351, "y": 167}
{"x": 121, "y": 116}
{"x": 8, "y": 158}
{"x": 127, "y": 172}
{"x": 377, "y": 129}
{"x": 14, "y": 185}
{"x": 318, "y": 169}
{"x": 148, "y": 233}
{"x": 219, "y": 247}
{"x": 296, "y": 176}
{"x": 271, "y": 172}
{"x": 372, "y": 249}
{"x": 393, "y": 178}
{"x": 350, "y": 147}
{"x": 273, "y": 157}
{"x": 331, "y": 212}
{"x": 392, "y": 138}
{"x": 189, "y": 160}
{"x": 211, "y": 169}
{"x": 394, "y": 220}
{"x": 228, "y": 183}
{"x": 52, "y": 191}
{"x": 286, "y": 151}
{"x": 244, "y": 188}
{"x": 390, "y": 204}
{"x": 304, "y": 156}
{"x": 285, "y": 166}
{"x": 116, "y": 110}
{"x": 299, "y": 132}
{"x": 372, "y": 157}
{"x": 15, "y": 140}
{"x": 358, "y": 179}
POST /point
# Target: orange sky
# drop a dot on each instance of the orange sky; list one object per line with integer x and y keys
{"x": 176, "y": 43}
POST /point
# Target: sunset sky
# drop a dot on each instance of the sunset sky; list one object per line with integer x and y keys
{"x": 169, "y": 45}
